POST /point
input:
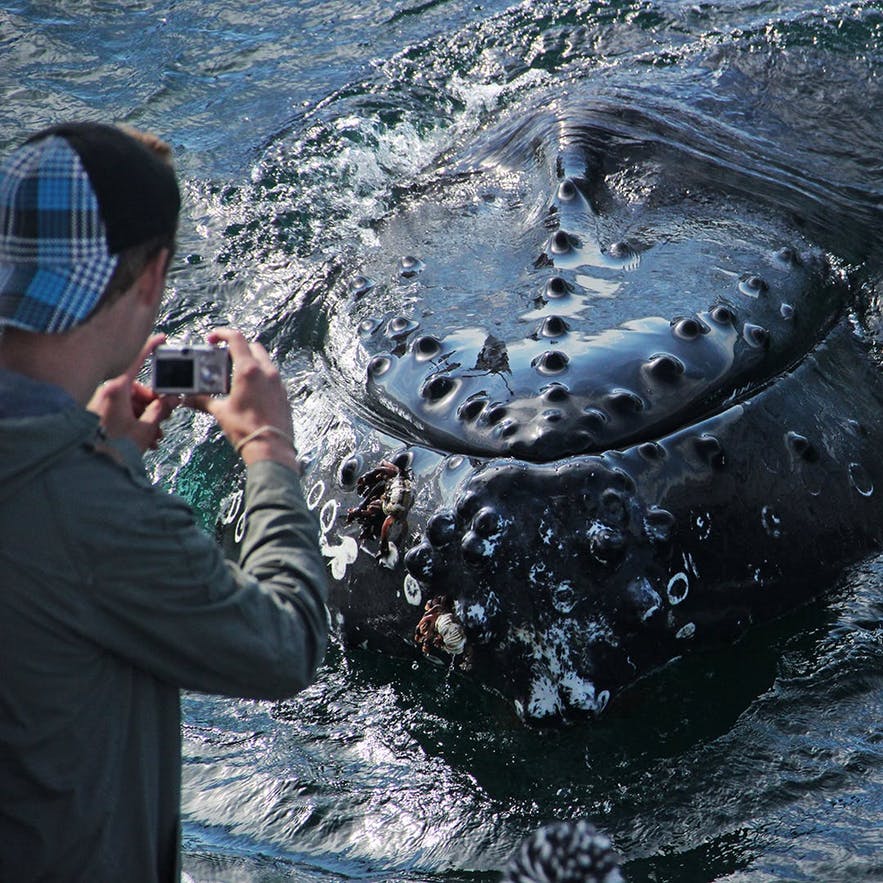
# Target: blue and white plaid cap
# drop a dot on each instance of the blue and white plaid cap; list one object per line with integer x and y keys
{"x": 54, "y": 257}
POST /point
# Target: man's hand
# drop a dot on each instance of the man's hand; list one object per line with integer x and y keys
{"x": 129, "y": 409}
{"x": 257, "y": 400}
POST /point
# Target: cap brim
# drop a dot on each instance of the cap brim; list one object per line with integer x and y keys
{"x": 48, "y": 299}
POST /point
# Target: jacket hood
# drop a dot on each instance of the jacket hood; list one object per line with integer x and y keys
{"x": 38, "y": 425}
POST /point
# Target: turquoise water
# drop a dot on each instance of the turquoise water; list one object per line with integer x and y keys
{"x": 296, "y": 127}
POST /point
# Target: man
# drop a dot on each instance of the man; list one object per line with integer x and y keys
{"x": 111, "y": 597}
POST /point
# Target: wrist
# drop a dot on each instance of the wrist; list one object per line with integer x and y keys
{"x": 268, "y": 445}
{"x": 262, "y": 432}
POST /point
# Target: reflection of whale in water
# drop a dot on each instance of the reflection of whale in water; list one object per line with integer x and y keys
{"x": 634, "y": 418}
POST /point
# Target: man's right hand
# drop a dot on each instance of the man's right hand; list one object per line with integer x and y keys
{"x": 257, "y": 399}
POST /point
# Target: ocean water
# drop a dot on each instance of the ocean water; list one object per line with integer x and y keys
{"x": 296, "y": 128}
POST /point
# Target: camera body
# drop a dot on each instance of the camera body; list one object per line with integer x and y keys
{"x": 191, "y": 369}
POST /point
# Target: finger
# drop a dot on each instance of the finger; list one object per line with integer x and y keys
{"x": 106, "y": 394}
{"x": 170, "y": 402}
{"x": 142, "y": 396}
{"x": 164, "y": 407}
{"x": 160, "y": 409}
{"x": 261, "y": 356}
{"x": 235, "y": 340}
{"x": 143, "y": 391}
{"x": 153, "y": 415}
{"x": 114, "y": 387}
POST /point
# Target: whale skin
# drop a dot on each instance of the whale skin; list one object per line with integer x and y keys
{"x": 629, "y": 392}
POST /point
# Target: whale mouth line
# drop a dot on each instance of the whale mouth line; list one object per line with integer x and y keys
{"x": 626, "y": 387}
{"x": 738, "y": 296}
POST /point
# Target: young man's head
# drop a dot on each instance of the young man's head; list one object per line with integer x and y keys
{"x": 84, "y": 207}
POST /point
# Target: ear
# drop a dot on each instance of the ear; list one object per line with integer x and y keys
{"x": 152, "y": 280}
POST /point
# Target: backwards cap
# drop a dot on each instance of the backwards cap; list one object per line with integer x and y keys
{"x": 71, "y": 199}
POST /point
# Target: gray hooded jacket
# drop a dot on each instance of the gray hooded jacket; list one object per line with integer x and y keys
{"x": 112, "y": 599}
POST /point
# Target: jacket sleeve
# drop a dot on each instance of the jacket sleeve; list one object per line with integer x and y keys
{"x": 161, "y": 595}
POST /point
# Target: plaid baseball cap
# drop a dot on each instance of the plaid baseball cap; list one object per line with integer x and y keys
{"x": 71, "y": 199}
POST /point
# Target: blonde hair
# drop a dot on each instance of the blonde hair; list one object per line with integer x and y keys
{"x": 152, "y": 142}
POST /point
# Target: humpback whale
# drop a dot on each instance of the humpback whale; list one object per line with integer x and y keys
{"x": 600, "y": 396}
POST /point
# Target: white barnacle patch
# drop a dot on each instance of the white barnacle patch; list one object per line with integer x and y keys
{"x": 547, "y": 535}
{"x": 390, "y": 559}
{"x": 233, "y": 505}
{"x": 687, "y": 631}
{"x": 582, "y": 693}
{"x": 328, "y": 515}
{"x": 314, "y": 497}
{"x": 340, "y": 555}
{"x": 534, "y": 575}
{"x": 860, "y": 479}
{"x": 594, "y": 529}
{"x": 771, "y": 522}
{"x": 558, "y": 657}
{"x": 486, "y": 534}
{"x": 490, "y": 544}
{"x": 703, "y": 525}
{"x": 564, "y": 597}
{"x": 413, "y": 591}
{"x": 678, "y": 588}
{"x": 543, "y": 700}
{"x": 476, "y": 615}
{"x": 645, "y": 597}
{"x": 480, "y": 617}
{"x": 690, "y": 564}
{"x": 239, "y": 530}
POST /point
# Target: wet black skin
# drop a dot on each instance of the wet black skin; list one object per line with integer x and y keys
{"x": 595, "y": 499}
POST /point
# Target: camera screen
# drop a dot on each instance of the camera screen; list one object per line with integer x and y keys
{"x": 172, "y": 373}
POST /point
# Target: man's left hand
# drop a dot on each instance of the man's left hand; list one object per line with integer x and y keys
{"x": 129, "y": 409}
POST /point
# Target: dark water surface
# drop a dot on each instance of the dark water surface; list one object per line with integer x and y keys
{"x": 296, "y": 126}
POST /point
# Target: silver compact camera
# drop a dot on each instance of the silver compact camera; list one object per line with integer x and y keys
{"x": 191, "y": 369}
